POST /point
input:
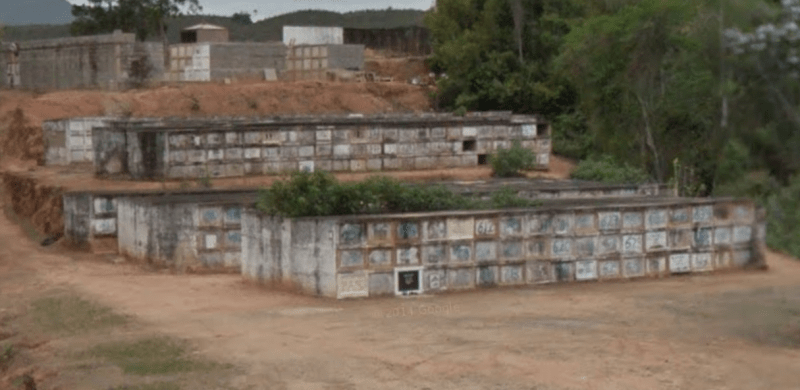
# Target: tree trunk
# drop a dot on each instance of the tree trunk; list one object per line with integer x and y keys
{"x": 650, "y": 141}
{"x": 519, "y": 19}
{"x": 162, "y": 30}
{"x": 788, "y": 107}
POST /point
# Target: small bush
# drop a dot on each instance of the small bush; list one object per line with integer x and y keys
{"x": 508, "y": 198}
{"x": 203, "y": 182}
{"x": 140, "y": 71}
{"x": 509, "y": 162}
{"x": 195, "y": 104}
{"x": 252, "y": 103}
{"x": 6, "y": 356}
{"x": 606, "y": 170}
{"x": 304, "y": 194}
{"x": 307, "y": 194}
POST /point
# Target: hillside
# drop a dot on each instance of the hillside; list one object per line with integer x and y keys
{"x": 40, "y": 12}
{"x": 265, "y": 30}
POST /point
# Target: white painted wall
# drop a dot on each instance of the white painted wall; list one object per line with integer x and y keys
{"x": 313, "y": 35}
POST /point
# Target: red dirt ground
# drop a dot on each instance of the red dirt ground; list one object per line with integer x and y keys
{"x": 718, "y": 331}
{"x": 34, "y": 190}
{"x": 721, "y": 331}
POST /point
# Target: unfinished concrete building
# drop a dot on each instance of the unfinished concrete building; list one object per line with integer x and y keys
{"x": 112, "y": 61}
{"x": 205, "y": 54}
{"x": 117, "y": 61}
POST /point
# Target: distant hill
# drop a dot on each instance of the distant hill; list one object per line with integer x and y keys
{"x": 21, "y": 12}
{"x": 270, "y": 29}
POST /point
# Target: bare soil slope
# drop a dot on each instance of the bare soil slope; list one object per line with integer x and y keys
{"x": 196, "y": 100}
{"x": 33, "y": 191}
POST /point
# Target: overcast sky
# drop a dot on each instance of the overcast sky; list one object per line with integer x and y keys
{"x": 272, "y": 8}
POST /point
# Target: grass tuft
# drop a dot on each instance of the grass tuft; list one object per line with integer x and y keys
{"x": 151, "y": 386}
{"x": 151, "y": 356}
{"x": 72, "y": 315}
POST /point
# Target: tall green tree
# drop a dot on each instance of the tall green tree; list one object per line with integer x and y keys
{"x": 647, "y": 82}
{"x": 481, "y": 46}
{"x": 765, "y": 89}
{"x": 242, "y": 18}
{"x": 142, "y": 17}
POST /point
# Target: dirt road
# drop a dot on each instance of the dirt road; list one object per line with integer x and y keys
{"x": 732, "y": 331}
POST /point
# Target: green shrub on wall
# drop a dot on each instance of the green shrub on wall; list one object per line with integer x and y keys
{"x": 510, "y": 162}
{"x": 307, "y": 194}
{"x": 606, "y": 170}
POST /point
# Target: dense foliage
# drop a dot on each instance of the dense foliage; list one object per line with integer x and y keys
{"x": 509, "y": 162}
{"x": 606, "y": 170}
{"x": 142, "y": 17}
{"x": 783, "y": 208}
{"x": 320, "y": 194}
{"x": 704, "y": 93}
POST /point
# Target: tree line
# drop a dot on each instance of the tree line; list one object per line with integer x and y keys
{"x": 705, "y": 93}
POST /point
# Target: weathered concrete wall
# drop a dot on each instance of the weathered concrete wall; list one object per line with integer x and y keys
{"x": 217, "y": 61}
{"x": 350, "y": 57}
{"x": 183, "y": 231}
{"x": 228, "y": 148}
{"x": 291, "y": 252}
{"x": 307, "y": 35}
{"x": 69, "y": 141}
{"x": 101, "y": 61}
{"x": 91, "y": 217}
{"x": 611, "y": 239}
{"x": 239, "y": 60}
{"x": 91, "y": 220}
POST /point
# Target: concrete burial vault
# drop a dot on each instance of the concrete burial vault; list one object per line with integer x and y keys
{"x": 582, "y": 232}
{"x": 567, "y": 239}
{"x": 564, "y": 241}
{"x": 230, "y": 147}
{"x": 91, "y": 217}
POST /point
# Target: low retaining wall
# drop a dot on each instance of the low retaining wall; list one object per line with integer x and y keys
{"x": 364, "y": 256}
{"x": 182, "y": 149}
